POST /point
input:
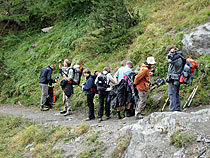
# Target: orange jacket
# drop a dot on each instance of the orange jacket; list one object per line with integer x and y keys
{"x": 142, "y": 78}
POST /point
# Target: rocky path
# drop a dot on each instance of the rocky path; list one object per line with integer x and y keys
{"x": 108, "y": 129}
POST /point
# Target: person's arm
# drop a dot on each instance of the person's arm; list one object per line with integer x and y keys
{"x": 116, "y": 76}
{"x": 140, "y": 75}
{"x": 88, "y": 84}
{"x": 70, "y": 75}
{"x": 111, "y": 78}
{"x": 49, "y": 73}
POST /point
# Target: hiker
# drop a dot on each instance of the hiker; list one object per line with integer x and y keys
{"x": 119, "y": 75}
{"x": 67, "y": 72}
{"x": 142, "y": 85}
{"x": 89, "y": 89}
{"x": 122, "y": 71}
{"x": 102, "y": 82}
{"x": 176, "y": 62}
{"x": 44, "y": 80}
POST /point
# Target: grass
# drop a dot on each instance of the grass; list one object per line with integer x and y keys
{"x": 121, "y": 147}
{"x": 159, "y": 23}
{"x": 19, "y": 137}
{"x": 182, "y": 139}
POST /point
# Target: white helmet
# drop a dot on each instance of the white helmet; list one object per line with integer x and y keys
{"x": 151, "y": 60}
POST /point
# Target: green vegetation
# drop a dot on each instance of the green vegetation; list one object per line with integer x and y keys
{"x": 181, "y": 139}
{"x": 121, "y": 147}
{"x": 94, "y": 34}
{"x": 19, "y": 137}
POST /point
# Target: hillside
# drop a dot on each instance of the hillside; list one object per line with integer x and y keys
{"x": 94, "y": 34}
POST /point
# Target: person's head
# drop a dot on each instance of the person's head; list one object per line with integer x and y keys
{"x": 106, "y": 69}
{"x": 130, "y": 64}
{"x": 66, "y": 63}
{"x": 151, "y": 61}
{"x": 87, "y": 72}
{"x": 171, "y": 48}
{"x": 53, "y": 67}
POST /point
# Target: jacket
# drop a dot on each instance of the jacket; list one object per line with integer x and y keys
{"x": 88, "y": 86}
{"x": 142, "y": 78}
{"x": 176, "y": 60}
{"x": 45, "y": 75}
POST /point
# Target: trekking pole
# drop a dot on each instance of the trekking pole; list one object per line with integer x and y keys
{"x": 189, "y": 98}
{"x": 196, "y": 89}
{"x": 165, "y": 104}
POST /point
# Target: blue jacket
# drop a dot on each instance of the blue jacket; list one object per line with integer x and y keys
{"x": 88, "y": 86}
{"x": 45, "y": 75}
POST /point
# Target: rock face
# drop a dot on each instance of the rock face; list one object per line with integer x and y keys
{"x": 197, "y": 43}
{"x": 150, "y": 137}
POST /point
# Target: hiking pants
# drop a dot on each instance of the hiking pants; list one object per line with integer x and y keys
{"x": 67, "y": 101}
{"x": 141, "y": 102}
{"x": 103, "y": 95}
{"x": 174, "y": 98}
{"x": 90, "y": 105}
{"x": 44, "y": 89}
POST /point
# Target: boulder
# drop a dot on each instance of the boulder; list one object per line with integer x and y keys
{"x": 150, "y": 137}
{"x": 197, "y": 43}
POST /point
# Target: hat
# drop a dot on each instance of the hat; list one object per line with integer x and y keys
{"x": 129, "y": 63}
{"x": 151, "y": 60}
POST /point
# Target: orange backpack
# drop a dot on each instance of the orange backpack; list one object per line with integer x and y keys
{"x": 188, "y": 70}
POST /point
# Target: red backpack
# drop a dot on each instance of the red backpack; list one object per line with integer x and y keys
{"x": 188, "y": 70}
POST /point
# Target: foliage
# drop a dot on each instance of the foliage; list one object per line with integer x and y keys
{"x": 95, "y": 36}
{"x": 121, "y": 147}
{"x": 181, "y": 139}
{"x": 16, "y": 134}
{"x": 113, "y": 19}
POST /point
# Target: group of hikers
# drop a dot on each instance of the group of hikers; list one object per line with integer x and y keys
{"x": 123, "y": 92}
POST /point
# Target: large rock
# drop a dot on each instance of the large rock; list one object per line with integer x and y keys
{"x": 197, "y": 43}
{"x": 150, "y": 137}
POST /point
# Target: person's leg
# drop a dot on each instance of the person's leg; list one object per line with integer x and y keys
{"x": 178, "y": 100}
{"x": 127, "y": 109}
{"x": 107, "y": 106}
{"x": 91, "y": 106}
{"x": 68, "y": 105}
{"x": 44, "y": 90}
{"x": 118, "y": 112}
{"x": 172, "y": 94}
{"x": 64, "y": 103}
{"x": 101, "y": 104}
{"x": 141, "y": 103}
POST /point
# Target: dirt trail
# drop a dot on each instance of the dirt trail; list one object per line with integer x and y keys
{"x": 54, "y": 117}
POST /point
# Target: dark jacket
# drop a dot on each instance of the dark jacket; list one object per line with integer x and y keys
{"x": 45, "y": 75}
{"x": 176, "y": 60}
{"x": 88, "y": 86}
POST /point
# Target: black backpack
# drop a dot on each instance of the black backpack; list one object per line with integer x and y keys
{"x": 102, "y": 83}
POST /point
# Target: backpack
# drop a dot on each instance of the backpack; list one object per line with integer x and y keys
{"x": 130, "y": 78}
{"x": 102, "y": 83}
{"x": 77, "y": 70}
{"x": 188, "y": 70}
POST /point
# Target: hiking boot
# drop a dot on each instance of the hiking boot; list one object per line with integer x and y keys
{"x": 44, "y": 109}
{"x": 100, "y": 119}
{"x": 139, "y": 116}
{"x": 63, "y": 112}
{"x": 108, "y": 117}
{"x": 67, "y": 113}
{"x": 89, "y": 119}
{"x": 127, "y": 113}
{"x": 118, "y": 114}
